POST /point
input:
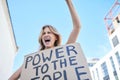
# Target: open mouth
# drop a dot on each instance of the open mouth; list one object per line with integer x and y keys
{"x": 47, "y": 40}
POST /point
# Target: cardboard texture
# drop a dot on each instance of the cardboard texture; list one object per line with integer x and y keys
{"x": 65, "y": 62}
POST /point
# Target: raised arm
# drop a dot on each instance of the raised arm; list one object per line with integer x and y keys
{"x": 16, "y": 75}
{"x": 76, "y": 23}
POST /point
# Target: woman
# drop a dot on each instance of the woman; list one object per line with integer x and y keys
{"x": 49, "y": 36}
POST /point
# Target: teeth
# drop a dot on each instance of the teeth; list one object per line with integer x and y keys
{"x": 47, "y": 39}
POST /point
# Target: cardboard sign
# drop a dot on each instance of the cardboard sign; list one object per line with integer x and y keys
{"x": 60, "y": 63}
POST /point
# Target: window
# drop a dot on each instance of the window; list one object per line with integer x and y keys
{"x": 118, "y": 57}
{"x": 90, "y": 64}
{"x": 114, "y": 70}
{"x": 105, "y": 71}
{"x": 115, "y": 41}
{"x": 112, "y": 63}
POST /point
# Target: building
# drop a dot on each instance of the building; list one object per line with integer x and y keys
{"x": 108, "y": 68}
{"x": 8, "y": 45}
{"x": 91, "y": 62}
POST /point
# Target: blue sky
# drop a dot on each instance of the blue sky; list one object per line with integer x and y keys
{"x": 28, "y": 16}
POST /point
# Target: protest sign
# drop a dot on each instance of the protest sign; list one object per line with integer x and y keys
{"x": 65, "y": 62}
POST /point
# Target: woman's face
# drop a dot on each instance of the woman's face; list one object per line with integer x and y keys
{"x": 48, "y": 38}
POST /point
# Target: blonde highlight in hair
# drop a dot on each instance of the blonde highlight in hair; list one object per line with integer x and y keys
{"x": 54, "y": 31}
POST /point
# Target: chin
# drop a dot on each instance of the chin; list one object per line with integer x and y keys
{"x": 48, "y": 46}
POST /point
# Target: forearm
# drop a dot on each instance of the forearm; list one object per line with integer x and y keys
{"x": 74, "y": 15}
{"x": 76, "y": 23}
{"x": 16, "y": 75}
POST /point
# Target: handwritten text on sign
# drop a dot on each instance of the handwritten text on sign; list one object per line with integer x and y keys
{"x": 60, "y": 63}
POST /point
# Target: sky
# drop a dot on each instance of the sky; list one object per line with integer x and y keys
{"x": 28, "y": 17}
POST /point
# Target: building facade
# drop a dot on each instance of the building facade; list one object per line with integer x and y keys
{"x": 108, "y": 68}
{"x": 8, "y": 45}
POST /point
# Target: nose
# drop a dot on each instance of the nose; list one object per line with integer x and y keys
{"x": 46, "y": 36}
